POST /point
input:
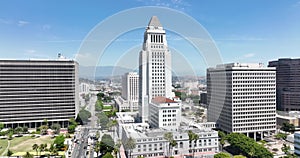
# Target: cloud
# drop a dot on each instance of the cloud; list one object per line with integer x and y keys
{"x": 22, "y": 23}
{"x": 174, "y": 4}
{"x": 249, "y": 55}
{"x": 30, "y": 51}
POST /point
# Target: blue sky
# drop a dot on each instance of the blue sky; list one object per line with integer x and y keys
{"x": 244, "y": 30}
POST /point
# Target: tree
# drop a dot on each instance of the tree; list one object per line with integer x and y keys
{"x": 43, "y": 129}
{"x": 239, "y": 156}
{"x": 108, "y": 155}
{"x": 286, "y": 148}
{"x": 287, "y": 127}
{"x": 130, "y": 145}
{"x": 18, "y": 130}
{"x": 247, "y": 146}
{"x": 192, "y": 137}
{"x": 106, "y": 144}
{"x": 45, "y": 122}
{"x": 59, "y": 142}
{"x": 97, "y": 148}
{"x": 71, "y": 128}
{"x": 25, "y": 129}
{"x": 222, "y": 155}
{"x": 42, "y": 148}
{"x": 28, "y": 155}
{"x": 169, "y": 137}
{"x": 73, "y": 122}
{"x": 9, "y": 152}
{"x": 35, "y": 147}
{"x": 10, "y": 134}
{"x": 103, "y": 120}
{"x": 117, "y": 147}
{"x": 222, "y": 136}
{"x": 56, "y": 128}
{"x": 1, "y": 126}
{"x": 84, "y": 115}
{"x": 281, "y": 136}
{"x": 53, "y": 150}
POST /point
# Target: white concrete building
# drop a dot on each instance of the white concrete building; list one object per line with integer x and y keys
{"x": 151, "y": 142}
{"x": 165, "y": 113}
{"x": 34, "y": 90}
{"x": 84, "y": 87}
{"x": 242, "y": 98}
{"x": 130, "y": 91}
{"x": 297, "y": 143}
{"x": 154, "y": 67}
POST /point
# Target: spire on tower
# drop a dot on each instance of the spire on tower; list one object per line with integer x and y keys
{"x": 154, "y": 22}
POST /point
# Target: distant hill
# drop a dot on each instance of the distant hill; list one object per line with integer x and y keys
{"x": 99, "y": 72}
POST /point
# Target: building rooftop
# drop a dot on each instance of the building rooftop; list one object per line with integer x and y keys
{"x": 161, "y": 99}
{"x": 154, "y": 22}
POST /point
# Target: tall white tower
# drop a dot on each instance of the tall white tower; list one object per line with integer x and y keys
{"x": 154, "y": 67}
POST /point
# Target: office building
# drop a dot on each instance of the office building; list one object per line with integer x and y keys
{"x": 297, "y": 143}
{"x": 165, "y": 113}
{"x": 130, "y": 91}
{"x": 32, "y": 91}
{"x": 287, "y": 83}
{"x": 242, "y": 98}
{"x": 155, "y": 77}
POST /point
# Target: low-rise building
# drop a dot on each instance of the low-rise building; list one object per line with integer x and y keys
{"x": 151, "y": 142}
{"x": 165, "y": 113}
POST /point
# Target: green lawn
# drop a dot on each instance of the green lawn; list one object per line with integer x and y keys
{"x": 3, "y": 145}
{"x": 24, "y": 144}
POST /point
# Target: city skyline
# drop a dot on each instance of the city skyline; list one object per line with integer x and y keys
{"x": 44, "y": 29}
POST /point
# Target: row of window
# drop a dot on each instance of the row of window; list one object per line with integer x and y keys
{"x": 254, "y": 128}
{"x": 254, "y": 116}
{"x": 256, "y": 120}
{"x": 253, "y": 101}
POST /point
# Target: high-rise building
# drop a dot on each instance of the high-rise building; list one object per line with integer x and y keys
{"x": 287, "y": 83}
{"x": 155, "y": 78}
{"x": 130, "y": 90}
{"x": 32, "y": 91}
{"x": 297, "y": 143}
{"x": 242, "y": 98}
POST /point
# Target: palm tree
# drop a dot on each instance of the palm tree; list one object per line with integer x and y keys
{"x": 53, "y": 150}
{"x": 35, "y": 147}
{"x": 192, "y": 137}
{"x": 27, "y": 155}
{"x": 130, "y": 145}
{"x": 42, "y": 148}
{"x": 97, "y": 148}
{"x": 117, "y": 147}
{"x": 169, "y": 137}
{"x": 172, "y": 144}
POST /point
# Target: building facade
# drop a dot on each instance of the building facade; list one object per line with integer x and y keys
{"x": 242, "y": 98}
{"x": 165, "y": 113}
{"x": 130, "y": 91}
{"x": 151, "y": 142}
{"x": 32, "y": 91}
{"x": 297, "y": 143}
{"x": 155, "y": 77}
{"x": 287, "y": 83}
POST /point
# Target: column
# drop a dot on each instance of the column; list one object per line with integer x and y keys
{"x": 254, "y": 136}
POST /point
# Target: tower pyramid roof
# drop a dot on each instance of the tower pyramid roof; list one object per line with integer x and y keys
{"x": 154, "y": 22}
